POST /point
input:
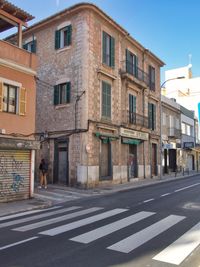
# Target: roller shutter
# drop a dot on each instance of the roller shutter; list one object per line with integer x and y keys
{"x": 14, "y": 175}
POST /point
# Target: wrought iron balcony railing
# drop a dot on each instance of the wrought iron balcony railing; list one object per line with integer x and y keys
{"x": 135, "y": 71}
{"x": 173, "y": 132}
{"x": 137, "y": 119}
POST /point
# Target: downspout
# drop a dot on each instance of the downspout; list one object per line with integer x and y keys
{"x": 143, "y": 110}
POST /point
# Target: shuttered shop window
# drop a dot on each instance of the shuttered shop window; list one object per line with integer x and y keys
{"x": 14, "y": 174}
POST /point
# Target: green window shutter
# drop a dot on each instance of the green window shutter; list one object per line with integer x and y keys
{"x": 68, "y": 92}
{"x": 132, "y": 103}
{"x": 154, "y": 117}
{"x": 25, "y": 46}
{"x": 128, "y": 62}
{"x": 56, "y": 95}
{"x": 112, "y": 52}
{"x": 150, "y": 115}
{"x": 106, "y": 100}
{"x": 34, "y": 46}
{"x": 136, "y": 66}
{"x": 57, "y": 39}
{"x": 104, "y": 47}
{"x": 69, "y": 35}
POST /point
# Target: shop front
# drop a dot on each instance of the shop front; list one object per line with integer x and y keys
{"x": 136, "y": 158}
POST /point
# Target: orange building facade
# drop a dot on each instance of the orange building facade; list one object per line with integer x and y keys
{"x": 17, "y": 111}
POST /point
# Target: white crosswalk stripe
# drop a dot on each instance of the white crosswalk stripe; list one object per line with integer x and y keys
{"x": 134, "y": 241}
{"x": 174, "y": 254}
{"x": 57, "y": 219}
{"x": 74, "y": 225}
{"x": 35, "y": 217}
{"x": 20, "y": 214}
{"x": 181, "y": 248}
{"x": 112, "y": 227}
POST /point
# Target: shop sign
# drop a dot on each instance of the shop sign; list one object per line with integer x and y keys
{"x": 188, "y": 144}
{"x": 134, "y": 134}
{"x": 130, "y": 141}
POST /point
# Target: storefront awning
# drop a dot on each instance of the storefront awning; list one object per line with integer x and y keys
{"x": 106, "y": 137}
{"x": 131, "y": 141}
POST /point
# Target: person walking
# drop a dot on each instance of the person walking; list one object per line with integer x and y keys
{"x": 43, "y": 174}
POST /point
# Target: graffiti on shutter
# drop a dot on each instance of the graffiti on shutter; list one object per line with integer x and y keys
{"x": 14, "y": 175}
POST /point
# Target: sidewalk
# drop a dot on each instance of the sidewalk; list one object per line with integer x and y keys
{"x": 43, "y": 200}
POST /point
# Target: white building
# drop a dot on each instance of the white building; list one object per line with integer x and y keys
{"x": 186, "y": 91}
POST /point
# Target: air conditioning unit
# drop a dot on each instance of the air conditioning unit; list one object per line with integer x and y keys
{"x": 2, "y": 131}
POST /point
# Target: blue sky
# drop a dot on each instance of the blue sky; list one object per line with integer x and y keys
{"x": 169, "y": 28}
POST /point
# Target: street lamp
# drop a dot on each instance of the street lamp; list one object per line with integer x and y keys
{"x": 171, "y": 79}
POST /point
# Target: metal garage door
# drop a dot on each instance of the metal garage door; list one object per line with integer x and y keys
{"x": 14, "y": 174}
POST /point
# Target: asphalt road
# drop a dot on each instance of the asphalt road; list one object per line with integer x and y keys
{"x": 153, "y": 226}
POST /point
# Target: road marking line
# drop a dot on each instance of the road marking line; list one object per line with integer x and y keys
{"x": 57, "y": 219}
{"x": 112, "y": 227}
{"x": 47, "y": 197}
{"x": 183, "y": 188}
{"x": 36, "y": 217}
{"x": 26, "y": 213}
{"x": 86, "y": 221}
{"x": 148, "y": 200}
{"x": 166, "y": 194}
{"x": 181, "y": 248}
{"x": 18, "y": 243}
{"x": 132, "y": 242}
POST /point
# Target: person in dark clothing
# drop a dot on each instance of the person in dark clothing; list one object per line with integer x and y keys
{"x": 43, "y": 174}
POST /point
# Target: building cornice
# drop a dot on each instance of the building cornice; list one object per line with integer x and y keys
{"x": 17, "y": 67}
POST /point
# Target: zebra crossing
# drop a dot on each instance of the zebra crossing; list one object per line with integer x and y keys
{"x": 175, "y": 253}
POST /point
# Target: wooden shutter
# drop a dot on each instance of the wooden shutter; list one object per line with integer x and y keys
{"x": 56, "y": 95}
{"x": 150, "y": 115}
{"x": 104, "y": 47}
{"x": 1, "y": 96}
{"x": 25, "y": 46}
{"x": 57, "y": 39}
{"x": 112, "y": 52}
{"x": 69, "y": 35}
{"x": 34, "y": 46}
{"x": 22, "y": 101}
{"x": 154, "y": 117}
{"x": 128, "y": 62}
{"x": 106, "y": 100}
{"x": 68, "y": 92}
{"x": 136, "y": 66}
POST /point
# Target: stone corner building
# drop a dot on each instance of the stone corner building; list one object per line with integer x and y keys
{"x": 98, "y": 98}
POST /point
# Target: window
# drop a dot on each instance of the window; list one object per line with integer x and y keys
{"x": 164, "y": 119}
{"x": 63, "y": 37}
{"x": 152, "y": 78}
{"x": 9, "y": 98}
{"x": 132, "y": 109}
{"x": 62, "y": 93}
{"x": 106, "y": 100}
{"x": 183, "y": 128}
{"x": 131, "y": 63}
{"x": 12, "y": 99}
{"x": 108, "y": 50}
{"x": 152, "y": 116}
{"x": 30, "y": 46}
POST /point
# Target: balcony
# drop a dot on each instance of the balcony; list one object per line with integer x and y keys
{"x": 11, "y": 54}
{"x": 135, "y": 74}
{"x": 173, "y": 132}
{"x": 137, "y": 119}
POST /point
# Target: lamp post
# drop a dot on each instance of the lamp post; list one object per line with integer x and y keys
{"x": 171, "y": 79}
